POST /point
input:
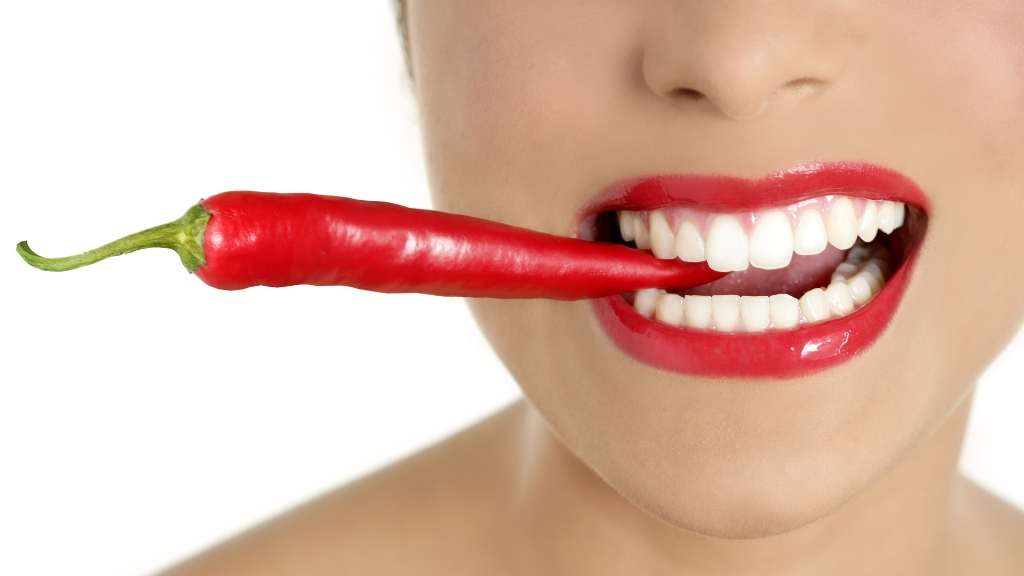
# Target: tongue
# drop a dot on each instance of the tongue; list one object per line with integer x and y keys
{"x": 802, "y": 274}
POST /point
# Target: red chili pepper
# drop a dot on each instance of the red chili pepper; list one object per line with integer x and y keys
{"x": 236, "y": 240}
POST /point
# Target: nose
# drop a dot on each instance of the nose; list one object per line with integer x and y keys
{"x": 744, "y": 56}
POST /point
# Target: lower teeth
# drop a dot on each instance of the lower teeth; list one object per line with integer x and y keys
{"x": 855, "y": 281}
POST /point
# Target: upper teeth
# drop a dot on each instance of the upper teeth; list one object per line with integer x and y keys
{"x": 766, "y": 239}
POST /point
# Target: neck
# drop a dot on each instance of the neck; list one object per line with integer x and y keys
{"x": 571, "y": 518}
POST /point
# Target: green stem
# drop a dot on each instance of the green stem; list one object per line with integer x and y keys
{"x": 184, "y": 236}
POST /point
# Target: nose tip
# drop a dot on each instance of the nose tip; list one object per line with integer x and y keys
{"x": 744, "y": 56}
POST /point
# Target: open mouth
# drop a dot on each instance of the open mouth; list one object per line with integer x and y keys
{"x": 817, "y": 258}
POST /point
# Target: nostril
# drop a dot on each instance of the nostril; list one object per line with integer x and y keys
{"x": 687, "y": 94}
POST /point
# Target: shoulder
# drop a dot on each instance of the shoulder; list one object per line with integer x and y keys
{"x": 989, "y": 532}
{"x": 438, "y": 510}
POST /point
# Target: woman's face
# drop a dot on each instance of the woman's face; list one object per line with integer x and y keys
{"x": 534, "y": 110}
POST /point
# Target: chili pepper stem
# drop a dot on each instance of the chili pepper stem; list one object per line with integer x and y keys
{"x": 184, "y": 236}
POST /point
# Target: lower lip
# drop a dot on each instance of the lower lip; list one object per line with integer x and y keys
{"x": 789, "y": 354}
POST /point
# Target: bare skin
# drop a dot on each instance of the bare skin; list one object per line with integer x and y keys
{"x": 505, "y": 497}
{"x": 529, "y": 109}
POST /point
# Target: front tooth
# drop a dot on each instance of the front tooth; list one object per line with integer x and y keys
{"x": 867, "y": 228}
{"x": 727, "y": 248}
{"x": 669, "y": 309}
{"x": 784, "y": 311}
{"x": 842, "y": 224}
{"x": 901, "y": 214}
{"x": 810, "y": 237}
{"x": 626, "y": 225}
{"x": 814, "y": 305}
{"x": 771, "y": 244}
{"x": 754, "y": 310}
{"x": 840, "y": 300}
{"x": 643, "y": 236}
{"x": 689, "y": 244}
{"x": 697, "y": 311}
{"x": 887, "y": 216}
{"x": 725, "y": 309}
{"x": 663, "y": 242}
{"x": 860, "y": 290}
{"x": 646, "y": 301}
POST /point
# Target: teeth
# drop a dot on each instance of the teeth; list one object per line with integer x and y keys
{"x": 646, "y": 301}
{"x": 642, "y": 236}
{"x": 810, "y": 237}
{"x": 887, "y": 216}
{"x": 857, "y": 255}
{"x": 626, "y": 226}
{"x": 755, "y": 312}
{"x": 844, "y": 271}
{"x": 725, "y": 310}
{"x": 784, "y": 311}
{"x": 901, "y": 213}
{"x": 669, "y": 309}
{"x": 814, "y": 305}
{"x": 860, "y": 290}
{"x": 771, "y": 244}
{"x": 872, "y": 280}
{"x": 867, "y": 227}
{"x": 855, "y": 282}
{"x": 663, "y": 242}
{"x": 877, "y": 268}
{"x": 842, "y": 224}
{"x": 840, "y": 300}
{"x": 697, "y": 311}
{"x": 689, "y": 244}
{"x": 732, "y": 242}
{"x": 727, "y": 246}
{"x": 853, "y": 285}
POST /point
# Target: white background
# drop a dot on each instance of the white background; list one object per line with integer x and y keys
{"x": 143, "y": 415}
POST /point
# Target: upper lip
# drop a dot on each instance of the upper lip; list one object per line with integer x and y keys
{"x": 728, "y": 194}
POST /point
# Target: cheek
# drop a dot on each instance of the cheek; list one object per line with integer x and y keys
{"x": 985, "y": 62}
{"x": 978, "y": 241}
{"x": 508, "y": 98}
{"x": 950, "y": 96}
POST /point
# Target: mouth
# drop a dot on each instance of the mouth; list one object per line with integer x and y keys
{"x": 818, "y": 260}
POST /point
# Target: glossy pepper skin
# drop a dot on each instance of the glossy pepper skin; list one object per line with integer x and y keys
{"x": 267, "y": 239}
{"x": 236, "y": 240}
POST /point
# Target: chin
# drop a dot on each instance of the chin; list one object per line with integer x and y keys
{"x": 742, "y": 495}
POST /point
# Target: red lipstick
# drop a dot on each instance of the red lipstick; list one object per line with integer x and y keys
{"x": 774, "y": 353}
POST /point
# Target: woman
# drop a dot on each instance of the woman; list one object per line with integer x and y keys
{"x": 856, "y": 165}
